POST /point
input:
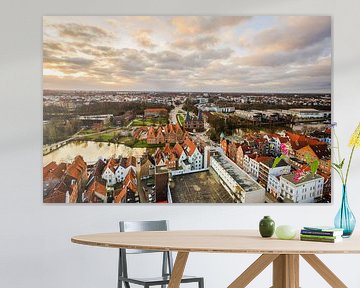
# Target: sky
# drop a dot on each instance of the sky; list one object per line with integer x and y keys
{"x": 188, "y": 53}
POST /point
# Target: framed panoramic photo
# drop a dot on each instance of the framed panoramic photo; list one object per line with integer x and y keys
{"x": 190, "y": 109}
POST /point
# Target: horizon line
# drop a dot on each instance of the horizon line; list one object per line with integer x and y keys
{"x": 179, "y": 91}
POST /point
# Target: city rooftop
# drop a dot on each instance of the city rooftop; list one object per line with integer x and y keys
{"x": 240, "y": 176}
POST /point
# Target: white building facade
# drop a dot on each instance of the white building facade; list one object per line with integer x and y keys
{"x": 241, "y": 187}
{"x": 307, "y": 190}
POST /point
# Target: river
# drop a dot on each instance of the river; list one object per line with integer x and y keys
{"x": 91, "y": 151}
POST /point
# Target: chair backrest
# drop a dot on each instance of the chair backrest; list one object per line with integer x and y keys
{"x": 139, "y": 226}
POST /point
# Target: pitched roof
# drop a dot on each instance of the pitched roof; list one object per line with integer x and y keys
{"x": 170, "y": 128}
{"x": 189, "y": 147}
{"x": 112, "y": 164}
{"x": 131, "y": 161}
{"x": 146, "y": 158}
{"x": 56, "y": 173}
{"x": 139, "y": 131}
{"x": 246, "y": 148}
{"x": 159, "y": 133}
{"x": 130, "y": 177}
{"x": 98, "y": 186}
{"x": 178, "y": 150}
{"x": 178, "y": 127}
{"x": 119, "y": 197}
{"x": 151, "y": 132}
{"x": 167, "y": 148}
{"x": 76, "y": 168}
{"x": 321, "y": 151}
{"x": 98, "y": 168}
{"x": 60, "y": 170}
{"x": 172, "y": 156}
{"x": 306, "y": 150}
{"x": 49, "y": 168}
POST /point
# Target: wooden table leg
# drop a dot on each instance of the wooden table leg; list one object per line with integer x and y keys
{"x": 253, "y": 270}
{"x": 286, "y": 271}
{"x": 178, "y": 269}
{"x": 324, "y": 271}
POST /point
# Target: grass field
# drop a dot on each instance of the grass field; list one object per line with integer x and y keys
{"x": 149, "y": 121}
{"x": 144, "y": 144}
{"x": 105, "y": 137}
{"x": 181, "y": 118}
{"x": 110, "y": 137}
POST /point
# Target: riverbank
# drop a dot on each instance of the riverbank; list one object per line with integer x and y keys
{"x": 91, "y": 151}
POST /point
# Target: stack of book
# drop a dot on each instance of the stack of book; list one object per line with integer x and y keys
{"x": 321, "y": 234}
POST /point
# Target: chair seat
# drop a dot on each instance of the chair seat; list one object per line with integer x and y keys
{"x": 158, "y": 280}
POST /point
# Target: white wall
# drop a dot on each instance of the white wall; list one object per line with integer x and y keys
{"x": 35, "y": 248}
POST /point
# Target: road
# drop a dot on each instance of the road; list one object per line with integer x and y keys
{"x": 174, "y": 112}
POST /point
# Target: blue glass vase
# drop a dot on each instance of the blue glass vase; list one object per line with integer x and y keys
{"x": 345, "y": 219}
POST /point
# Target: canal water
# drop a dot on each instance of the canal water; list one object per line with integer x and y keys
{"x": 301, "y": 128}
{"x": 91, "y": 151}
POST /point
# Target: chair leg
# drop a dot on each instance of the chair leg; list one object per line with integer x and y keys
{"x": 120, "y": 272}
{"x": 201, "y": 283}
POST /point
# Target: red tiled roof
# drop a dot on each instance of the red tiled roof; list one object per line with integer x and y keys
{"x": 172, "y": 157}
{"x": 49, "y": 168}
{"x": 130, "y": 177}
{"x": 151, "y": 132}
{"x": 121, "y": 195}
{"x": 252, "y": 156}
{"x": 246, "y": 148}
{"x": 112, "y": 165}
{"x": 178, "y": 127}
{"x": 167, "y": 148}
{"x": 321, "y": 151}
{"x": 76, "y": 168}
{"x": 55, "y": 173}
{"x": 98, "y": 187}
{"x": 171, "y": 128}
{"x": 159, "y": 132}
{"x": 131, "y": 161}
{"x": 178, "y": 150}
{"x": 190, "y": 146}
{"x": 263, "y": 159}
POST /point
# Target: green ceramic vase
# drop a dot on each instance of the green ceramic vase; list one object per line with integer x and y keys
{"x": 267, "y": 227}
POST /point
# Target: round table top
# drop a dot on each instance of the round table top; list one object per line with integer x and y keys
{"x": 217, "y": 241}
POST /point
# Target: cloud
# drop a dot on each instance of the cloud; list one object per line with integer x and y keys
{"x": 192, "y": 25}
{"x": 280, "y": 57}
{"x": 291, "y": 33}
{"x": 197, "y": 59}
{"x": 80, "y": 32}
{"x": 143, "y": 38}
{"x": 200, "y": 43}
{"x": 189, "y": 53}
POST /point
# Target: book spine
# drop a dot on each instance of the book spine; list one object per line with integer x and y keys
{"x": 319, "y": 233}
{"x": 317, "y": 239}
{"x": 318, "y": 236}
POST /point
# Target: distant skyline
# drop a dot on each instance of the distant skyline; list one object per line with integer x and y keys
{"x": 272, "y": 54}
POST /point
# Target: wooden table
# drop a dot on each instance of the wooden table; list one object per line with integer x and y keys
{"x": 284, "y": 254}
